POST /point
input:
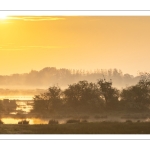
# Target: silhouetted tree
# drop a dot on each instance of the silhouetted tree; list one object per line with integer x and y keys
{"x": 52, "y": 98}
{"x": 83, "y": 95}
{"x": 137, "y": 97}
{"x": 109, "y": 93}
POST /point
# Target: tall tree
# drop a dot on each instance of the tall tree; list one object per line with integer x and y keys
{"x": 138, "y": 95}
{"x": 109, "y": 93}
{"x": 83, "y": 95}
{"x": 52, "y": 98}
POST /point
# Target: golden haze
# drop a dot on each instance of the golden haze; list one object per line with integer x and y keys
{"x": 80, "y": 42}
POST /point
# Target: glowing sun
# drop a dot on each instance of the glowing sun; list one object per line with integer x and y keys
{"x": 3, "y": 16}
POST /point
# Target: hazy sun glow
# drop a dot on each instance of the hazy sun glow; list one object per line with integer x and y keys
{"x": 74, "y": 42}
{"x": 3, "y": 16}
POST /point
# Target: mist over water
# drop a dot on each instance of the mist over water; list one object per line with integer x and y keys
{"x": 24, "y": 107}
{"x": 40, "y": 120}
{"x": 51, "y": 76}
{"x": 17, "y": 97}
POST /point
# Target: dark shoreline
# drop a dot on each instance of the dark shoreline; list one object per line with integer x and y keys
{"x": 79, "y": 128}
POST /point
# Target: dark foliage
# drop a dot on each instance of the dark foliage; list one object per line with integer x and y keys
{"x": 84, "y": 96}
{"x": 137, "y": 97}
{"x": 1, "y": 122}
{"x": 109, "y": 93}
{"x": 53, "y": 122}
{"x": 51, "y": 100}
{"x": 23, "y": 122}
{"x": 7, "y": 106}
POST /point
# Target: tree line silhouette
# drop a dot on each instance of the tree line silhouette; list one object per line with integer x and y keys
{"x": 101, "y": 96}
{"x": 50, "y": 75}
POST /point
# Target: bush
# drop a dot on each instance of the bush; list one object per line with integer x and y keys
{"x": 1, "y": 122}
{"x": 53, "y": 122}
{"x": 23, "y": 122}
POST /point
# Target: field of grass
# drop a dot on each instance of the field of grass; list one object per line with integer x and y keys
{"x": 79, "y": 128}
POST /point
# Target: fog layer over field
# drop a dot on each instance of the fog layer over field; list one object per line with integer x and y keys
{"x": 50, "y": 76}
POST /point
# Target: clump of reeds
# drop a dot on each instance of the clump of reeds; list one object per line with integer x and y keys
{"x": 23, "y": 122}
{"x": 52, "y": 121}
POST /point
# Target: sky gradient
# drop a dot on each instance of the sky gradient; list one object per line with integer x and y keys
{"x": 78, "y": 42}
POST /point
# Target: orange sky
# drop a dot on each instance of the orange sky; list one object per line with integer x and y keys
{"x": 79, "y": 42}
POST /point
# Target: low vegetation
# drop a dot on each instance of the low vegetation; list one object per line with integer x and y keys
{"x": 82, "y": 100}
{"x": 1, "y": 122}
{"x": 23, "y": 122}
{"x": 53, "y": 122}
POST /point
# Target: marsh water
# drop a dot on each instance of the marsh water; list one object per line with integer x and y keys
{"x": 41, "y": 120}
{"x": 24, "y": 108}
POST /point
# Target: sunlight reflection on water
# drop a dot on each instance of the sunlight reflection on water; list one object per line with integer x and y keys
{"x": 17, "y": 97}
{"x": 31, "y": 120}
{"x": 10, "y": 120}
{"x": 24, "y": 106}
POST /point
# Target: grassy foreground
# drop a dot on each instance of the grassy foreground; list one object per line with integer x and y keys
{"x": 80, "y": 128}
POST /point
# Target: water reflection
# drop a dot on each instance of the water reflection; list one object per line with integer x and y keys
{"x": 13, "y": 113}
{"x": 62, "y": 121}
{"x": 17, "y": 97}
{"x": 31, "y": 120}
{"x": 24, "y": 106}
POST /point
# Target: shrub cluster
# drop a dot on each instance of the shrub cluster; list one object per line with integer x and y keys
{"x": 86, "y": 96}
